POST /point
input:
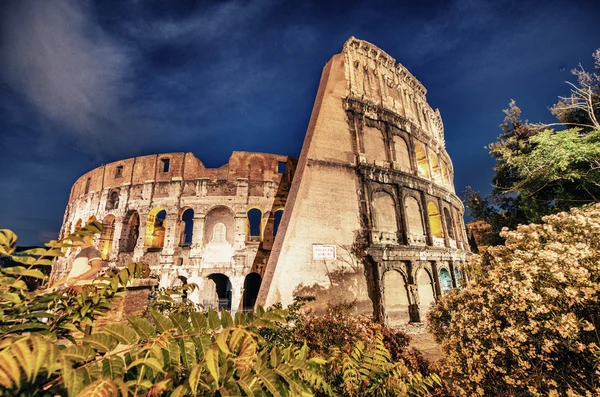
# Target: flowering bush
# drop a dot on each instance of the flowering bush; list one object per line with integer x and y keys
{"x": 527, "y": 325}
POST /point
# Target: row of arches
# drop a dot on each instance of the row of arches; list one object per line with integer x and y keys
{"x": 428, "y": 163}
{"x": 219, "y": 228}
{"x": 399, "y": 295}
{"x": 218, "y": 292}
{"x": 391, "y": 218}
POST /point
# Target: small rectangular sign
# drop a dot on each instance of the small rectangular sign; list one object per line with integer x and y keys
{"x": 324, "y": 252}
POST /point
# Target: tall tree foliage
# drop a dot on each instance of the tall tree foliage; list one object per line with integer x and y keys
{"x": 540, "y": 171}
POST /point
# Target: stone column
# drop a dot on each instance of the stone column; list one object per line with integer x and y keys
{"x": 197, "y": 235}
{"x": 239, "y": 238}
{"x": 413, "y": 308}
{"x": 116, "y": 240}
{"x": 444, "y": 225}
{"x": 139, "y": 249}
{"x": 425, "y": 214}
{"x": 436, "y": 279}
{"x": 237, "y": 285}
{"x": 452, "y": 274}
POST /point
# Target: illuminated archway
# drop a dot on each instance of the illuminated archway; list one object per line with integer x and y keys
{"x": 422, "y": 164}
{"x": 445, "y": 281}
{"x": 414, "y": 219}
{"x": 396, "y": 298}
{"x": 435, "y": 166}
{"x": 426, "y": 292}
{"x": 155, "y": 229}
{"x": 435, "y": 222}
{"x": 106, "y": 238}
{"x": 402, "y": 153}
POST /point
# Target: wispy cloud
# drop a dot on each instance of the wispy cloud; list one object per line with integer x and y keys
{"x": 67, "y": 68}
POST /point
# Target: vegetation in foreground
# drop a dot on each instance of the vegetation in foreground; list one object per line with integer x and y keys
{"x": 176, "y": 351}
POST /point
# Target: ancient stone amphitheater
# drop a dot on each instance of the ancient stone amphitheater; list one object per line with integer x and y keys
{"x": 367, "y": 213}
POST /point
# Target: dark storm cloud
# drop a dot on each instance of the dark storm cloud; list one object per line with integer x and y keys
{"x": 84, "y": 83}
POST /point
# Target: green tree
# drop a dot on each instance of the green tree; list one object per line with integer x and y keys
{"x": 540, "y": 171}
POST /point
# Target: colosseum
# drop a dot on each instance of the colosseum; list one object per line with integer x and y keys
{"x": 366, "y": 214}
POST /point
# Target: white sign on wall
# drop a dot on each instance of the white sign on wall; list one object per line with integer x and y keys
{"x": 324, "y": 252}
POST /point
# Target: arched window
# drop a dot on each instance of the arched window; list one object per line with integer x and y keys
{"x": 384, "y": 217}
{"x": 445, "y": 281}
{"x": 106, "y": 238}
{"x": 155, "y": 229}
{"x": 426, "y": 292}
{"x": 449, "y": 223}
{"x": 277, "y": 220}
{"x": 251, "y": 288}
{"x": 186, "y": 227}
{"x": 113, "y": 201}
{"x": 422, "y": 164}
{"x": 219, "y": 235}
{"x": 374, "y": 145}
{"x": 130, "y": 232}
{"x": 219, "y": 296}
{"x": 402, "y": 153}
{"x": 254, "y": 225}
{"x": 435, "y": 167}
{"x": 213, "y": 232}
{"x": 414, "y": 219}
{"x": 396, "y": 298}
{"x": 435, "y": 222}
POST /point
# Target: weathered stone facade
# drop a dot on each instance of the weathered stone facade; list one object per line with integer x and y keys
{"x": 370, "y": 210}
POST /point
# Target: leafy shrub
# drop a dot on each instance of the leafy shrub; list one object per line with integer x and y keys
{"x": 527, "y": 324}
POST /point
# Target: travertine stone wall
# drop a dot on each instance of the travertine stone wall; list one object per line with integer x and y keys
{"x": 374, "y": 149}
{"x": 217, "y": 196}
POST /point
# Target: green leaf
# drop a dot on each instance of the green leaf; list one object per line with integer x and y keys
{"x": 212, "y": 362}
{"x": 162, "y": 323}
{"x": 78, "y": 353}
{"x": 271, "y": 382}
{"x": 181, "y": 391}
{"x": 121, "y": 333}
{"x": 10, "y": 371}
{"x": 180, "y": 322}
{"x": 188, "y": 352}
{"x": 34, "y": 273}
{"x": 142, "y": 327}
{"x": 101, "y": 342}
{"x": 100, "y": 388}
{"x": 214, "y": 321}
{"x": 113, "y": 367}
{"x": 149, "y": 362}
{"x": 226, "y": 320}
{"x": 15, "y": 270}
{"x": 9, "y": 296}
{"x": 195, "y": 377}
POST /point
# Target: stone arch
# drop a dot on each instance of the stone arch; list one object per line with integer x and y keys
{"x": 435, "y": 224}
{"x": 402, "y": 153}
{"x": 422, "y": 163}
{"x": 449, "y": 224}
{"x": 217, "y": 292}
{"x": 251, "y": 287}
{"x": 385, "y": 217}
{"x": 112, "y": 201}
{"x": 186, "y": 226}
{"x": 445, "y": 280}
{"x": 277, "y": 215}
{"x": 219, "y": 214}
{"x": 254, "y": 224}
{"x": 435, "y": 166}
{"x": 414, "y": 220}
{"x": 130, "y": 231}
{"x": 155, "y": 229}
{"x": 106, "y": 238}
{"x": 374, "y": 144}
{"x": 396, "y": 298}
{"x": 426, "y": 287}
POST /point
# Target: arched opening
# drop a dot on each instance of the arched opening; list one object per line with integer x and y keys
{"x": 251, "y": 288}
{"x": 445, "y": 281}
{"x": 186, "y": 228}
{"x": 374, "y": 145}
{"x": 106, "y": 238}
{"x": 224, "y": 232}
{"x": 414, "y": 219}
{"x": 384, "y": 217}
{"x": 435, "y": 167}
{"x": 113, "y": 201}
{"x": 435, "y": 222}
{"x": 449, "y": 224}
{"x": 396, "y": 298}
{"x": 277, "y": 220}
{"x": 217, "y": 294}
{"x": 426, "y": 292}
{"x": 130, "y": 231}
{"x": 402, "y": 153}
{"x": 78, "y": 225}
{"x": 422, "y": 164}
{"x": 254, "y": 225}
{"x": 155, "y": 229}
{"x": 446, "y": 174}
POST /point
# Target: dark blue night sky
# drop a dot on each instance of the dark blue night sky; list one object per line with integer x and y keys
{"x": 83, "y": 83}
